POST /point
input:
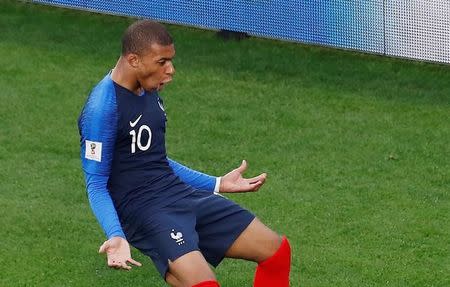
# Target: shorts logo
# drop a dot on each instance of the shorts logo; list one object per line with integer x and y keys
{"x": 177, "y": 236}
{"x": 93, "y": 151}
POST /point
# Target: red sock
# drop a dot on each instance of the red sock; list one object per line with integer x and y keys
{"x": 207, "y": 284}
{"x": 274, "y": 271}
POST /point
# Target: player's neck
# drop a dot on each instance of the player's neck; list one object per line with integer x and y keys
{"x": 122, "y": 75}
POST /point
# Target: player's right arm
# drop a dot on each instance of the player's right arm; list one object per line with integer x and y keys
{"x": 98, "y": 129}
{"x": 102, "y": 205}
{"x": 116, "y": 247}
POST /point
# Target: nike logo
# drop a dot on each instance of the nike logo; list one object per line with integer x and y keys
{"x": 132, "y": 124}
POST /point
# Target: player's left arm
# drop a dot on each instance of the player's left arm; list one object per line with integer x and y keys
{"x": 230, "y": 182}
{"x": 235, "y": 182}
{"x": 195, "y": 178}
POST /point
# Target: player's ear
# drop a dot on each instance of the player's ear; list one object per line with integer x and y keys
{"x": 132, "y": 59}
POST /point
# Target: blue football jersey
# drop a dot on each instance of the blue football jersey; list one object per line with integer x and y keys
{"x": 123, "y": 139}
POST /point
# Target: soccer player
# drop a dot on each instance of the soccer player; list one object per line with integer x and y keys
{"x": 171, "y": 213}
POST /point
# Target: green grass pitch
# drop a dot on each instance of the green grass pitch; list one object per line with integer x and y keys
{"x": 357, "y": 149}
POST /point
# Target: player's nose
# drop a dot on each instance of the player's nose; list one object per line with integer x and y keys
{"x": 170, "y": 69}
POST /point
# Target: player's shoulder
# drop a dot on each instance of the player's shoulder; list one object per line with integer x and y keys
{"x": 102, "y": 94}
{"x": 100, "y": 105}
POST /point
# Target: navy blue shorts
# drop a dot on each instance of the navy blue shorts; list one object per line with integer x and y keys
{"x": 200, "y": 221}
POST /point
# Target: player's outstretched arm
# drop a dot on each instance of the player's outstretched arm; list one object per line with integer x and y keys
{"x": 194, "y": 178}
{"x": 118, "y": 253}
{"x": 235, "y": 182}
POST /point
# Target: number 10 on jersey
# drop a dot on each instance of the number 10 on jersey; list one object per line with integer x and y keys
{"x": 138, "y": 139}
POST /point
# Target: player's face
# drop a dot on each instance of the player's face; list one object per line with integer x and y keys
{"x": 155, "y": 68}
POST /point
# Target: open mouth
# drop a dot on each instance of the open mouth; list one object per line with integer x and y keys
{"x": 161, "y": 85}
{"x": 166, "y": 81}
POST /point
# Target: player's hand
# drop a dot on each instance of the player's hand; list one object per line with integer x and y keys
{"x": 118, "y": 252}
{"x": 234, "y": 182}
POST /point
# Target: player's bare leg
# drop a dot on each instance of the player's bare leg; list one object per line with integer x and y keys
{"x": 260, "y": 244}
{"x": 189, "y": 270}
{"x": 172, "y": 280}
{"x": 257, "y": 243}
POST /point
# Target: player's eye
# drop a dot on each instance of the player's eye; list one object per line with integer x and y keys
{"x": 162, "y": 62}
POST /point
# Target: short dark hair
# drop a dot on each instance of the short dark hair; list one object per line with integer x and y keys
{"x": 140, "y": 35}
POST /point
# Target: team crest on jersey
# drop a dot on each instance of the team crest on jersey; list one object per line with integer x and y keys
{"x": 177, "y": 236}
{"x": 93, "y": 151}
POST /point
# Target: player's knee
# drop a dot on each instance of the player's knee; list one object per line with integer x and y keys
{"x": 193, "y": 278}
{"x": 210, "y": 283}
{"x": 190, "y": 269}
{"x": 280, "y": 253}
{"x": 172, "y": 280}
{"x": 271, "y": 246}
{"x": 275, "y": 270}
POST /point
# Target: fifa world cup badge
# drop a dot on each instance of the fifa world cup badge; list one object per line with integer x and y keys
{"x": 93, "y": 148}
{"x": 93, "y": 151}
